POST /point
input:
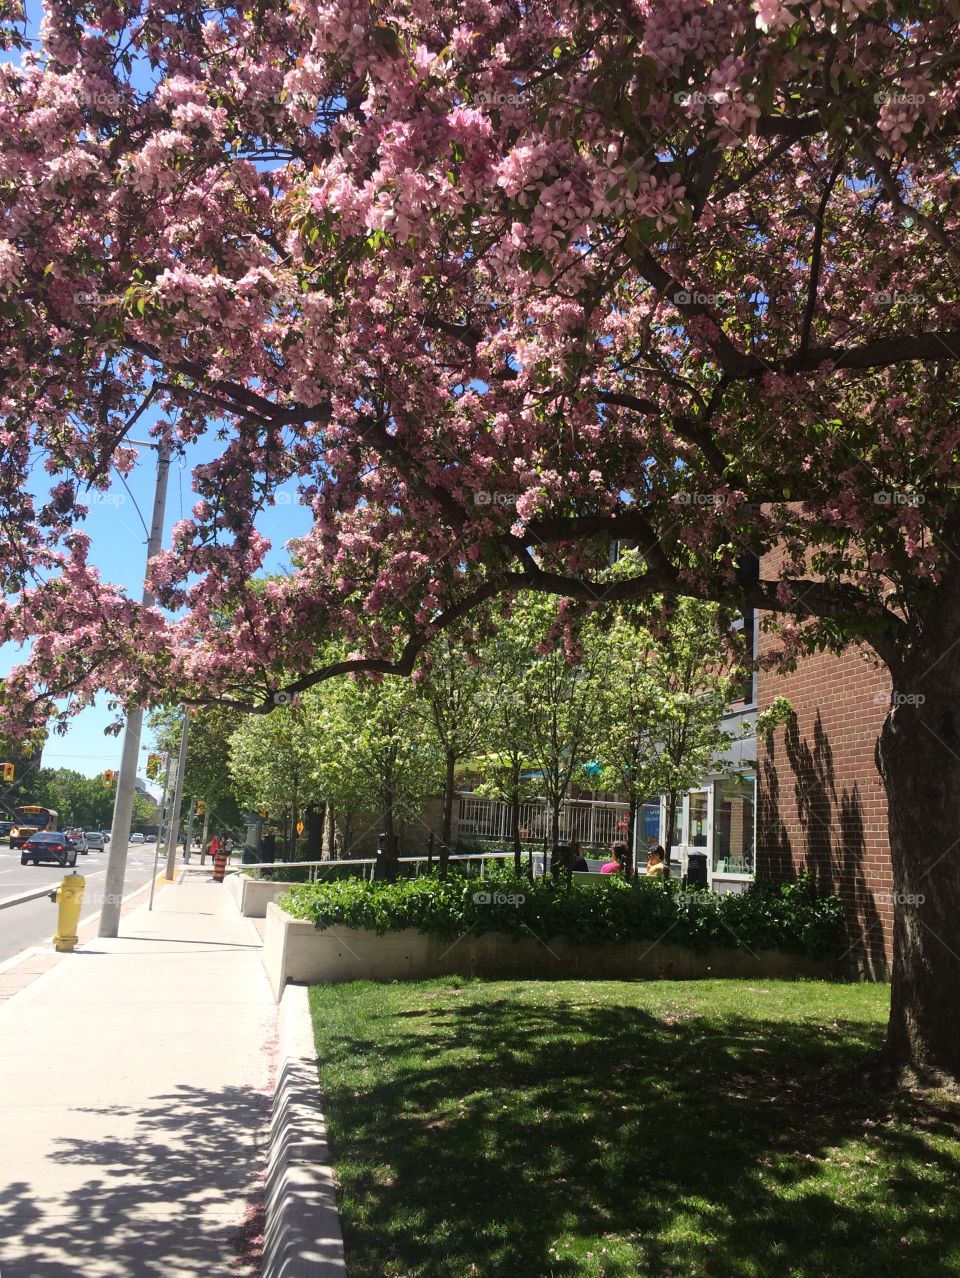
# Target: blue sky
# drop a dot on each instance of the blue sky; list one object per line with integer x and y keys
{"x": 118, "y": 549}
{"x": 118, "y": 544}
{"x": 116, "y": 526}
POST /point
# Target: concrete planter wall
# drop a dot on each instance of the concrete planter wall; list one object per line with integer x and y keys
{"x": 254, "y": 895}
{"x": 294, "y": 951}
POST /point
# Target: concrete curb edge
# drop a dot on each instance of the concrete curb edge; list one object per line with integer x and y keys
{"x": 33, "y": 895}
{"x": 302, "y": 1236}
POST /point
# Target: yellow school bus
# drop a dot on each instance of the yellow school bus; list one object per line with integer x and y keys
{"x": 27, "y": 820}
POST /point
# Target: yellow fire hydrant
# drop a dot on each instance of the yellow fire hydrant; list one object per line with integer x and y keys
{"x": 69, "y": 897}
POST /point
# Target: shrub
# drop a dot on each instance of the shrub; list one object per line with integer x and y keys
{"x": 790, "y": 916}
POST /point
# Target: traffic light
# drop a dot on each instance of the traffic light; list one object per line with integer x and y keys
{"x": 107, "y": 778}
{"x": 201, "y": 807}
{"x": 9, "y": 770}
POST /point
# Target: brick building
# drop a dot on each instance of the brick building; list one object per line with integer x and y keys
{"x": 821, "y": 806}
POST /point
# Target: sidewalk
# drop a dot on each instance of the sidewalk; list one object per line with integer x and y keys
{"x": 137, "y": 1078}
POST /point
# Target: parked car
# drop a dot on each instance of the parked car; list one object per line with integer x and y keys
{"x": 78, "y": 840}
{"x": 95, "y": 840}
{"x": 151, "y": 838}
{"x": 137, "y": 838}
{"x": 48, "y": 846}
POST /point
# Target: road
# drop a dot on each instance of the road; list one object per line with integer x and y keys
{"x": 34, "y": 922}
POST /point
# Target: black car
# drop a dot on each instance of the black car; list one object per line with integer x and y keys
{"x": 48, "y": 846}
{"x": 5, "y": 828}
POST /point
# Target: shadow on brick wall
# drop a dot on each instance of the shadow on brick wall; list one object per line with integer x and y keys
{"x": 830, "y": 843}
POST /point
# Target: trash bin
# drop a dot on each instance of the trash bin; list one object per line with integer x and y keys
{"x": 697, "y": 869}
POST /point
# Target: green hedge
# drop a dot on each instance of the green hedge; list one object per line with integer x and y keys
{"x": 787, "y": 917}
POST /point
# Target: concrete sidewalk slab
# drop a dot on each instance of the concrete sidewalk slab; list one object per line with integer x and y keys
{"x": 138, "y": 1077}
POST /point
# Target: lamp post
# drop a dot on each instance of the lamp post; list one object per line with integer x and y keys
{"x": 123, "y": 806}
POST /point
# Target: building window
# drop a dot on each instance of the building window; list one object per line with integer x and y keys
{"x": 744, "y": 687}
{"x": 699, "y": 815}
{"x": 649, "y": 827}
{"x": 734, "y": 799}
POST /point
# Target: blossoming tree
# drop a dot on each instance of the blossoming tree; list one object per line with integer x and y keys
{"x": 496, "y": 284}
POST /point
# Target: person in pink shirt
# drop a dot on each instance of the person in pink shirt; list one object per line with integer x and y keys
{"x": 616, "y": 865}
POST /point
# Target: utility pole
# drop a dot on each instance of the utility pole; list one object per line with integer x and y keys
{"x": 123, "y": 807}
{"x": 188, "y": 843}
{"x": 163, "y": 812}
{"x": 174, "y": 827}
{"x": 206, "y": 827}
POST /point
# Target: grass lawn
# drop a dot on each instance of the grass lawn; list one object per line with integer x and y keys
{"x": 522, "y": 1129}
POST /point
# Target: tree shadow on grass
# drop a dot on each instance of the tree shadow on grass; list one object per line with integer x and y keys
{"x": 495, "y": 1128}
{"x": 165, "y": 1198}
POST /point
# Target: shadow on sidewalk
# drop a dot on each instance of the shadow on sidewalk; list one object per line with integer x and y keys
{"x": 179, "y": 1195}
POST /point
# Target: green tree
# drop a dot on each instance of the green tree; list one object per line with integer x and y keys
{"x": 372, "y": 741}
{"x": 84, "y": 801}
{"x": 455, "y": 690}
{"x": 558, "y": 697}
{"x": 207, "y": 773}
{"x": 666, "y": 702}
{"x": 509, "y": 705}
{"x": 272, "y": 763}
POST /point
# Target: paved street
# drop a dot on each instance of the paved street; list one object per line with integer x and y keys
{"x": 34, "y": 922}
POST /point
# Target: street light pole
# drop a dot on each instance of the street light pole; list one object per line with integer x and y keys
{"x": 174, "y": 827}
{"x": 123, "y": 807}
{"x": 163, "y": 809}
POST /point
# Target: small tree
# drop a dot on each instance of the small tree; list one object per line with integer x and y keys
{"x": 667, "y": 698}
{"x": 509, "y": 706}
{"x": 207, "y": 774}
{"x": 272, "y": 763}
{"x": 370, "y": 741}
{"x": 455, "y": 690}
{"x": 560, "y": 696}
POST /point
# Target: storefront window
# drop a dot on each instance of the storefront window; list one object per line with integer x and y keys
{"x": 698, "y": 819}
{"x": 733, "y": 817}
{"x": 649, "y": 826}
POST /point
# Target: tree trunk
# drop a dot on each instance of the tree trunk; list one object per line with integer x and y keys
{"x": 206, "y": 827}
{"x": 919, "y": 759}
{"x": 555, "y": 805}
{"x": 668, "y": 836}
{"x": 449, "y": 779}
{"x": 315, "y": 819}
{"x": 515, "y": 833}
{"x": 390, "y": 830}
{"x": 632, "y": 833}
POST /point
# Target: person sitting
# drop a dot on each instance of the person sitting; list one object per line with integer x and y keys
{"x": 656, "y": 866}
{"x": 616, "y": 866}
{"x": 578, "y": 864}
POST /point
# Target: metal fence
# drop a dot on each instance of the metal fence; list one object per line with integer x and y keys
{"x": 592, "y": 822}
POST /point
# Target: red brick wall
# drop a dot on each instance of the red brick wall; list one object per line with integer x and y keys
{"x": 820, "y": 802}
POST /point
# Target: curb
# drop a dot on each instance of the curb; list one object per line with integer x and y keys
{"x": 302, "y": 1236}
{"x": 33, "y": 895}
